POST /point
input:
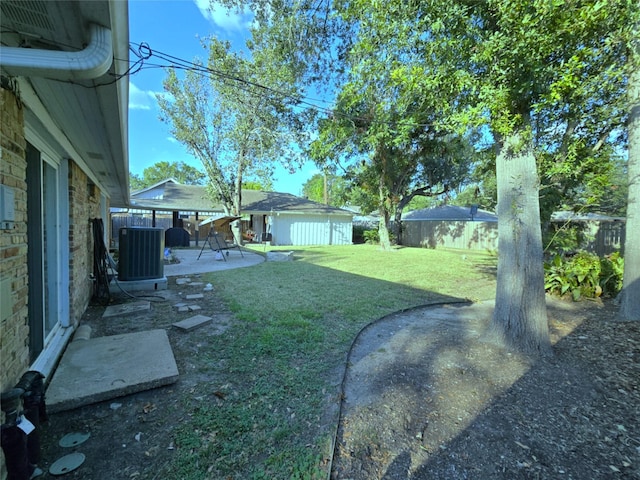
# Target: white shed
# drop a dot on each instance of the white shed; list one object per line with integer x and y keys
{"x": 311, "y": 229}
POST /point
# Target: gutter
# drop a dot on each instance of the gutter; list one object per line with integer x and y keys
{"x": 90, "y": 63}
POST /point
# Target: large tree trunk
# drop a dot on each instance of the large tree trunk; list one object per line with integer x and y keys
{"x": 383, "y": 230}
{"x": 520, "y": 315}
{"x": 237, "y": 203}
{"x": 397, "y": 223}
{"x": 383, "y": 202}
{"x": 630, "y": 295}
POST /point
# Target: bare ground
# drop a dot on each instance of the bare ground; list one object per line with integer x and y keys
{"x": 427, "y": 398}
{"x": 424, "y": 398}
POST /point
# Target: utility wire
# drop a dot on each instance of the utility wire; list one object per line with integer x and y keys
{"x": 144, "y": 53}
{"x": 182, "y": 64}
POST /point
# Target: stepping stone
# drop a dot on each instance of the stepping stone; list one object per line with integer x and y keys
{"x": 126, "y": 309}
{"x": 183, "y": 281}
{"x": 279, "y": 256}
{"x": 194, "y": 296}
{"x": 193, "y": 308}
{"x": 192, "y": 322}
{"x": 181, "y": 304}
{"x": 196, "y": 284}
{"x": 184, "y": 308}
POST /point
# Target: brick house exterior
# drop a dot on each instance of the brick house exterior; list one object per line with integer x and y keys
{"x": 14, "y": 351}
{"x": 63, "y": 163}
{"x": 14, "y": 330}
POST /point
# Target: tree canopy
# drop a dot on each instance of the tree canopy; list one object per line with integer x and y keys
{"x": 160, "y": 171}
{"x": 327, "y": 188}
{"x": 542, "y": 82}
{"x": 232, "y": 116}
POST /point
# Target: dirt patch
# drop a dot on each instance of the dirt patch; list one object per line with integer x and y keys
{"x": 424, "y": 398}
{"x": 132, "y": 437}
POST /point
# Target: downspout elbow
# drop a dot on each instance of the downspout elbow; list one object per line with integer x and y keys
{"x": 90, "y": 63}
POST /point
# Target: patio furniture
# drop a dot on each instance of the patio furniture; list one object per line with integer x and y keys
{"x": 218, "y": 243}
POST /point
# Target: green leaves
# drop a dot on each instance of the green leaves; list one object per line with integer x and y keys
{"x": 584, "y": 275}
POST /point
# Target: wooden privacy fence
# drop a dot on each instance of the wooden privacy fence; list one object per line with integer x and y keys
{"x": 468, "y": 235}
{"x": 609, "y": 238}
{"x": 601, "y": 238}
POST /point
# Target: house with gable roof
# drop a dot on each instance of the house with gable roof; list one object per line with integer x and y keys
{"x": 282, "y": 217}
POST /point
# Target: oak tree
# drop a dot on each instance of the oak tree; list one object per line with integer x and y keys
{"x": 630, "y": 295}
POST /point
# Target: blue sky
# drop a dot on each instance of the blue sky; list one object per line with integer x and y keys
{"x": 175, "y": 28}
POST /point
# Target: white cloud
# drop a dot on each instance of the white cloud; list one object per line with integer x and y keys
{"x": 219, "y": 15}
{"x": 172, "y": 140}
{"x": 140, "y": 99}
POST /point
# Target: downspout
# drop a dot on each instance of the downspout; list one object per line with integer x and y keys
{"x": 92, "y": 62}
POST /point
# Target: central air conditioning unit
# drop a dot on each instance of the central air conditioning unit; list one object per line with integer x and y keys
{"x": 141, "y": 255}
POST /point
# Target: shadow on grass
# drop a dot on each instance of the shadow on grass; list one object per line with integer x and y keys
{"x": 284, "y": 360}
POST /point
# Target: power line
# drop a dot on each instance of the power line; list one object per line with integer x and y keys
{"x": 145, "y": 52}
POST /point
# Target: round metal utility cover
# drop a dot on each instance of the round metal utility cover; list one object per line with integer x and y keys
{"x": 67, "y": 464}
{"x": 73, "y": 439}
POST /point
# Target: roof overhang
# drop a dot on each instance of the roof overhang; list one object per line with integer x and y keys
{"x": 69, "y": 60}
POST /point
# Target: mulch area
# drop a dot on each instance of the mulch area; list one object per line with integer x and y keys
{"x": 574, "y": 415}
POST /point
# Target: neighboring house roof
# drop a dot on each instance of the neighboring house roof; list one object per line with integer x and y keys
{"x": 70, "y": 60}
{"x": 153, "y": 187}
{"x": 568, "y": 216}
{"x": 178, "y": 197}
{"x": 449, "y": 213}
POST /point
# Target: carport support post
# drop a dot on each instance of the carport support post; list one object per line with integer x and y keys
{"x": 197, "y": 230}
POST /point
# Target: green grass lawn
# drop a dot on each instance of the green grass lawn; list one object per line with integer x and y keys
{"x": 275, "y": 374}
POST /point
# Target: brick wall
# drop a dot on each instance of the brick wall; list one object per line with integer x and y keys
{"x": 84, "y": 205}
{"x": 14, "y": 330}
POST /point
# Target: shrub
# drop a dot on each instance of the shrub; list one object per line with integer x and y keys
{"x": 611, "y": 272}
{"x": 371, "y": 236}
{"x": 578, "y": 275}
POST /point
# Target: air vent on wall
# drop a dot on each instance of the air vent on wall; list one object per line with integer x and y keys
{"x": 27, "y": 14}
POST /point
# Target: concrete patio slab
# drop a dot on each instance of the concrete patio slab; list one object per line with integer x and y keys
{"x": 126, "y": 309}
{"x": 103, "y": 368}
{"x": 192, "y": 322}
{"x": 194, "y": 261}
